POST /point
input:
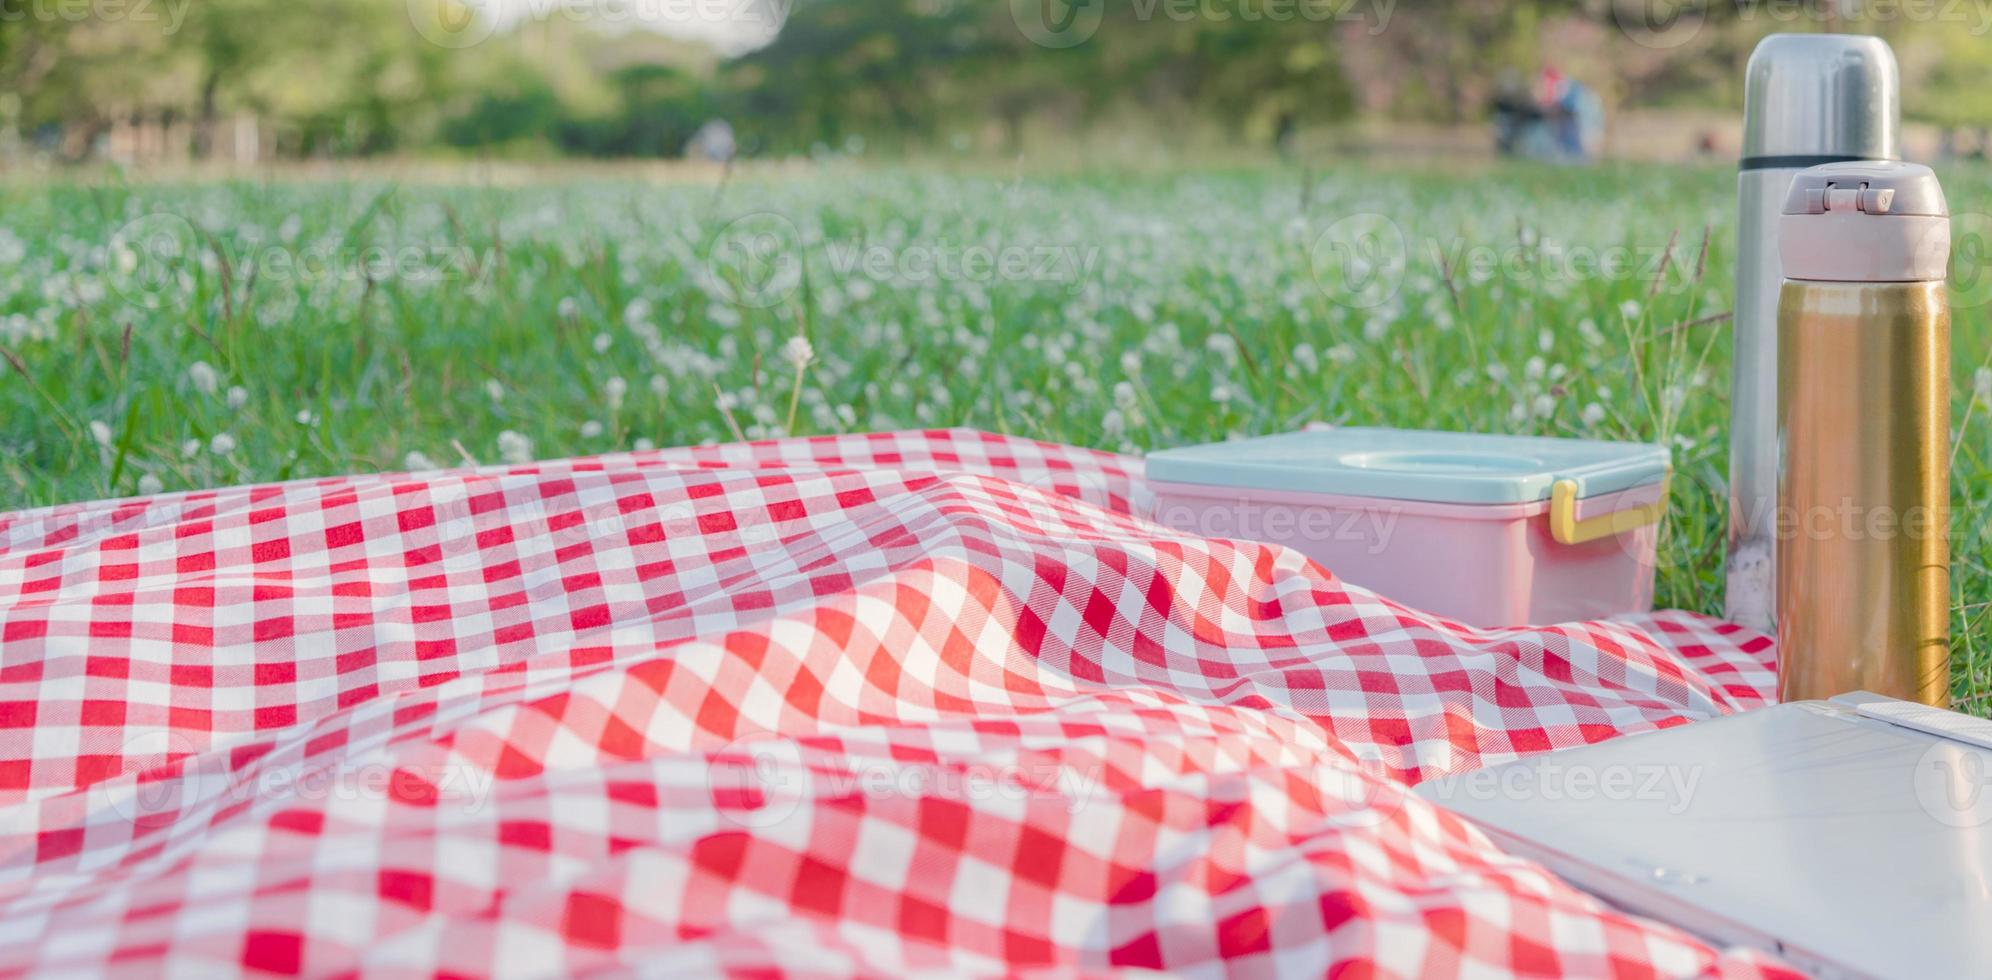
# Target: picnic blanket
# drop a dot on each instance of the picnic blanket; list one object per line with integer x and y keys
{"x": 869, "y": 704}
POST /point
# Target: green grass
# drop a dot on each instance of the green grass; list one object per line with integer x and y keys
{"x": 371, "y": 326}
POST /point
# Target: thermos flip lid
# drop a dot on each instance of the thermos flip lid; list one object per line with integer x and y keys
{"x": 1867, "y": 221}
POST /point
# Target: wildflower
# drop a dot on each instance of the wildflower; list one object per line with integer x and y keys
{"x": 222, "y": 444}
{"x": 514, "y": 448}
{"x": 1125, "y": 397}
{"x": 1587, "y": 330}
{"x": 643, "y": 445}
{"x": 1981, "y": 385}
{"x": 659, "y": 386}
{"x": 1303, "y": 355}
{"x": 306, "y": 416}
{"x": 1543, "y": 407}
{"x": 797, "y": 352}
{"x": 416, "y": 461}
{"x": 237, "y": 397}
{"x": 615, "y": 389}
{"x": 1221, "y": 393}
{"x": 1534, "y": 369}
{"x": 204, "y": 378}
{"x": 494, "y": 390}
{"x": 190, "y": 448}
{"x": 568, "y": 308}
{"x": 591, "y": 429}
{"x": 149, "y": 485}
{"x": 1630, "y": 309}
{"x": 602, "y": 342}
{"x": 1545, "y": 340}
{"x": 1113, "y": 425}
{"x": 1375, "y": 330}
{"x": 1594, "y": 413}
{"x": 1341, "y": 354}
{"x": 100, "y": 432}
{"x": 638, "y": 311}
{"x": 1498, "y": 372}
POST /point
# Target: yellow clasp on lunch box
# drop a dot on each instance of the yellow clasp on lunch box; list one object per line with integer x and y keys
{"x": 1567, "y": 529}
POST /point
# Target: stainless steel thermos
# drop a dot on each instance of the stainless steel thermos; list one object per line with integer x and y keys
{"x": 1863, "y": 434}
{"x": 1808, "y": 99}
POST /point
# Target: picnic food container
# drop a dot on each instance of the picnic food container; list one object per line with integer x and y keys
{"x": 1863, "y": 584}
{"x": 1807, "y": 99}
{"x": 1489, "y": 530}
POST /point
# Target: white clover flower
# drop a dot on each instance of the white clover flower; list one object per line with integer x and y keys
{"x": 514, "y": 448}
{"x": 591, "y": 429}
{"x": 237, "y": 397}
{"x": 100, "y": 432}
{"x": 1221, "y": 393}
{"x": 1543, "y": 407}
{"x": 1375, "y": 330}
{"x": 1534, "y": 369}
{"x": 659, "y": 385}
{"x": 798, "y": 352}
{"x": 1303, "y": 355}
{"x": 494, "y": 390}
{"x": 190, "y": 449}
{"x": 602, "y": 342}
{"x": 204, "y": 378}
{"x": 568, "y": 308}
{"x": 1113, "y": 425}
{"x": 1498, "y": 371}
{"x": 306, "y": 416}
{"x": 1130, "y": 362}
{"x": 1981, "y": 385}
{"x": 149, "y": 485}
{"x": 638, "y": 311}
{"x": 1545, "y": 340}
{"x": 222, "y": 444}
{"x": 643, "y": 445}
{"x": 1594, "y": 413}
{"x": 1341, "y": 354}
{"x": 1125, "y": 397}
{"x": 416, "y": 461}
{"x": 1630, "y": 309}
{"x": 1587, "y": 330}
{"x": 614, "y": 389}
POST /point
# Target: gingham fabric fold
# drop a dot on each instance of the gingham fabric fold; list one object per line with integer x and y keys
{"x": 878, "y": 704}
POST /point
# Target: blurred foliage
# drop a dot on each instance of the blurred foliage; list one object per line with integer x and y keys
{"x": 357, "y": 77}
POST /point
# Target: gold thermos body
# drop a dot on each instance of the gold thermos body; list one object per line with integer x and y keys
{"x": 1863, "y": 584}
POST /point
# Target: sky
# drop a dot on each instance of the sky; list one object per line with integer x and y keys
{"x": 732, "y": 26}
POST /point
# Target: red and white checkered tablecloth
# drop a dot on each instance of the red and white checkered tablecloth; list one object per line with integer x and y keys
{"x": 923, "y": 701}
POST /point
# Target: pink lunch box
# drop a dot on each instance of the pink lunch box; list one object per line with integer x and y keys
{"x": 1484, "y": 529}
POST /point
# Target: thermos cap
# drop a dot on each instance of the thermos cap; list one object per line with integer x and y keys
{"x": 1810, "y": 98}
{"x": 1865, "y": 221}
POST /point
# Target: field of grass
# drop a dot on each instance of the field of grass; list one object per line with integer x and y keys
{"x": 169, "y": 337}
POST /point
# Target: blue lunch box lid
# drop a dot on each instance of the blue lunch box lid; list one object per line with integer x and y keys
{"x": 1407, "y": 464}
